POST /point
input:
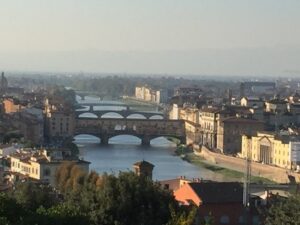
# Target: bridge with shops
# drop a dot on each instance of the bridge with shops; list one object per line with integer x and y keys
{"x": 145, "y": 129}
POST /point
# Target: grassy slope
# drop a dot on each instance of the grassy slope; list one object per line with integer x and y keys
{"x": 196, "y": 160}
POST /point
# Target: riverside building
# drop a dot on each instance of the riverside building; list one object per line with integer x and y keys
{"x": 273, "y": 149}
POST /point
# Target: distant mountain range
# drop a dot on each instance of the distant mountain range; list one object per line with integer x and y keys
{"x": 248, "y": 61}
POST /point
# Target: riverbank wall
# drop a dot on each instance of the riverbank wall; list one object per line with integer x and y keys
{"x": 276, "y": 174}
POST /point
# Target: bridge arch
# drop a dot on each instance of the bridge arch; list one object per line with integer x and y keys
{"x": 112, "y": 115}
{"x": 168, "y": 139}
{"x": 87, "y": 115}
{"x": 125, "y": 139}
{"x": 86, "y": 138}
{"x": 136, "y": 116}
{"x": 156, "y": 117}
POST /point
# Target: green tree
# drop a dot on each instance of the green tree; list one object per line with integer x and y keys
{"x": 31, "y": 196}
{"x": 68, "y": 144}
{"x": 284, "y": 211}
{"x": 4, "y": 221}
{"x": 11, "y": 137}
{"x": 10, "y": 210}
{"x": 183, "y": 216}
{"x": 61, "y": 214}
{"x": 125, "y": 199}
{"x": 118, "y": 198}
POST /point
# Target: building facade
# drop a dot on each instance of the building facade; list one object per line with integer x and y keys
{"x": 230, "y": 131}
{"x": 151, "y": 95}
{"x": 60, "y": 120}
{"x": 209, "y": 125}
{"x": 12, "y": 105}
{"x": 42, "y": 165}
{"x": 30, "y": 126}
{"x": 272, "y": 149}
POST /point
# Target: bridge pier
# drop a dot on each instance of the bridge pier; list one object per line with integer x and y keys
{"x": 104, "y": 140}
{"x": 146, "y": 141}
{"x": 183, "y": 140}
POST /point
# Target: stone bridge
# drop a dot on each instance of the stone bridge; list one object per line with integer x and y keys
{"x": 145, "y": 129}
{"x": 83, "y": 94}
{"x": 123, "y": 113}
{"x": 105, "y": 103}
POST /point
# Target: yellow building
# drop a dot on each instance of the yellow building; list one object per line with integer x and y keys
{"x": 42, "y": 165}
{"x": 13, "y": 105}
{"x": 270, "y": 148}
{"x": 151, "y": 95}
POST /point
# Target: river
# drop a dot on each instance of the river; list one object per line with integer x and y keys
{"x": 124, "y": 150}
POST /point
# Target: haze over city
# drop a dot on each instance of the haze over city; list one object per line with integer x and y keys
{"x": 130, "y": 112}
{"x": 209, "y": 37}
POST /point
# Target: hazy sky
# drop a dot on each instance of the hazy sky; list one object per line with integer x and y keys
{"x": 151, "y": 36}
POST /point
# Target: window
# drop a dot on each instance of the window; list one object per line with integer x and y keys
{"x": 47, "y": 172}
{"x": 208, "y": 219}
{"x": 224, "y": 219}
{"x": 241, "y": 220}
{"x": 255, "y": 220}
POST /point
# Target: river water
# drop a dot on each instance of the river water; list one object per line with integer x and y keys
{"x": 124, "y": 150}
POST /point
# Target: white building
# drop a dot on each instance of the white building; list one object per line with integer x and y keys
{"x": 42, "y": 164}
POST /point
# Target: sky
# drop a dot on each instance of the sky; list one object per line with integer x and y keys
{"x": 218, "y": 37}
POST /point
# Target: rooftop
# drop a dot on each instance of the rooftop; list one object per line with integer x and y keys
{"x": 241, "y": 120}
{"x": 218, "y": 192}
{"x": 143, "y": 163}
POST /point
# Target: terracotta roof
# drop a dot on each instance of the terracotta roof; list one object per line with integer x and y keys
{"x": 143, "y": 163}
{"x": 218, "y": 192}
{"x": 241, "y": 120}
{"x": 210, "y": 110}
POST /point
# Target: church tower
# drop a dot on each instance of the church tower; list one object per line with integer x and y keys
{"x": 3, "y": 84}
{"x": 143, "y": 168}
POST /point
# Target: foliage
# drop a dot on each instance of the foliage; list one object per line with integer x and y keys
{"x": 126, "y": 199}
{"x": 28, "y": 144}
{"x": 68, "y": 144}
{"x": 110, "y": 199}
{"x": 31, "y": 196}
{"x": 4, "y": 221}
{"x": 59, "y": 92}
{"x": 187, "y": 216}
{"x": 70, "y": 177}
{"x": 284, "y": 211}
{"x": 10, "y": 210}
{"x": 61, "y": 214}
{"x": 11, "y": 137}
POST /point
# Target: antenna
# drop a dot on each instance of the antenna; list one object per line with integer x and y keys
{"x": 246, "y": 191}
{"x": 247, "y": 179}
